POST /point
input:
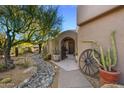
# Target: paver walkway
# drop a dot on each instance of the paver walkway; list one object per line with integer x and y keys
{"x": 71, "y": 78}
{"x": 68, "y": 64}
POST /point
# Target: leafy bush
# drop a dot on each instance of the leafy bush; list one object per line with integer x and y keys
{"x": 24, "y": 64}
{"x": 6, "y": 80}
{"x": 2, "y": 67}
{"x": 1, "y": 52}
{"x": 47, "y": 57}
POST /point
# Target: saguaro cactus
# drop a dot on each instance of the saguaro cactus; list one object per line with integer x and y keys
{"x": 108, "y": 60}
{"x": 114, "y": 49}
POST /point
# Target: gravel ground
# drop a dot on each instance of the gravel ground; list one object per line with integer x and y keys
{"x": 42, "y": 78}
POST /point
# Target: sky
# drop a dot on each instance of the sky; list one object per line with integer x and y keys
{"x": 68, "y": 13}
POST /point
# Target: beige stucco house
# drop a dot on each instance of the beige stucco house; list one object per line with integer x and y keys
{"x": 96, "y": 22}
{"x": 65, "y": 43}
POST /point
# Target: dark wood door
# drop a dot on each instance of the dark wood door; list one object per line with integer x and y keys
{"x": 63, "y": 52}
{"x": 71, "y": 47}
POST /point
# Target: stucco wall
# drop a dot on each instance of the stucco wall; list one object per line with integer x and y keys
{"x": 87, "y": 12}
{"x": 100, "y": 30}
{"x": 51, "y": 46}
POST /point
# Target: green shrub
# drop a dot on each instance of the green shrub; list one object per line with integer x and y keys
{"x": 6, "y": 80}
{"x": 2, "y": 67}
{"x": 25, "y": 64}
{"x": 47, "y": 57}
{"x": 1, "y": 52}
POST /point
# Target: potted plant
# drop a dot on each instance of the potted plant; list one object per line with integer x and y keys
{"x": 56, "y": 55}
{"x": 107, "y": 63}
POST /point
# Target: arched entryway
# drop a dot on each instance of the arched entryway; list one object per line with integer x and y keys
{"x": 67, "y": 47}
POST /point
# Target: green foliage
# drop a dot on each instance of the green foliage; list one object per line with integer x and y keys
{"x": 6, "y": 80}
{"x": 108, "y": 59}
{"x": 103, "y": 58}
{"x": 114, "y": 49}
{"x": 2, "y": 41}
{"x": 47, "y": 57}
{"x": 50, "y": 25}
{"x": 23, "y": 48}
{"x": 2, "y": 67}
{"x": 28, "y": 23}
{"x": 24, "y": 64}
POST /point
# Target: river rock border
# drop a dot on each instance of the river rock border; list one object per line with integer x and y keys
{"x": 42, "y": 78}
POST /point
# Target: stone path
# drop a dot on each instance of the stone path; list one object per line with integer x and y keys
{"x": 42, "y": 78}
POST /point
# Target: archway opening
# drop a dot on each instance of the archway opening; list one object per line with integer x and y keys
{"x": 67, "y": 47}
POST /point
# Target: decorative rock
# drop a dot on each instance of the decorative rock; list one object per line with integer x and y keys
{"x": 42, "y": 78}
{"x": 31, "y": 69}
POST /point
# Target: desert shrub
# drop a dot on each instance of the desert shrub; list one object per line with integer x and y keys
{"x": 2, "y": 67}
{"x": 6, "y": 80}
{"x": 1, "y": 52}
{"x": 25, "y": 64}
{"x": 47, "y": 57}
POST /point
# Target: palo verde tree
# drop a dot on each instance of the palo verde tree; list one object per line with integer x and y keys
{"x": 34, "y": 24}
{"x": 15, "y": 20}
{"x": 49, "y": 24}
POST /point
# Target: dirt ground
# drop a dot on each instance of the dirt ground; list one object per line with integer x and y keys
{"x": 18, "y": 74}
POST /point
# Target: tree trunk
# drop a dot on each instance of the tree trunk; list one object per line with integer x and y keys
{"x": 8, "y": 61}
{"x": 39, "y": 48}
{"x": 16, "y": 51}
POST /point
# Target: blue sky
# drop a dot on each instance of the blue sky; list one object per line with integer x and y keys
{"x": 69, "y": 16}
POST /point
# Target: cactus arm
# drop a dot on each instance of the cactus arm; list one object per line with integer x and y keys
{"x": 106, "y": 61}
{"x": 109, "y": 60}
{"x": 103, "y": 58}
{"x": 114, "y": 49}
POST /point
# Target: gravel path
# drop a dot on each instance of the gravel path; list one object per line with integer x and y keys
{"x": 42, "y": 78}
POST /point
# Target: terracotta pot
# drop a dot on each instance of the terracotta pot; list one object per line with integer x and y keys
{"x": 107, "y": 77}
